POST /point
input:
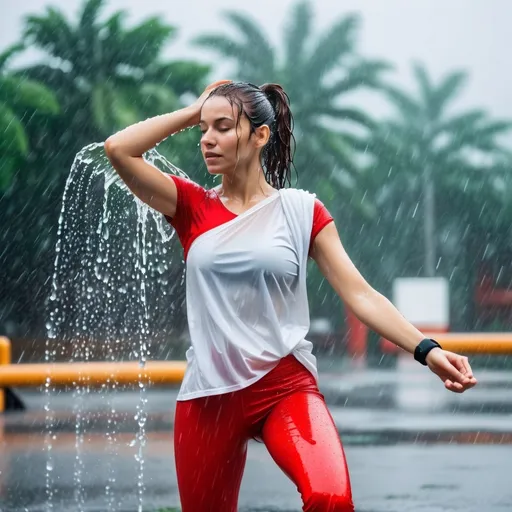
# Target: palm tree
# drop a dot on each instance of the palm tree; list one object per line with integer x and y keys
{"x": 426, "y": 151}
{"x": 316, "y": 72}
{"x": 105, "y": 76}
{"x": 20, "y": 98}
{"x": 108, "y": 76}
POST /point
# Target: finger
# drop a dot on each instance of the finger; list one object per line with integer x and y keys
{"x": 460, "y": 363}
{"x": 469, "y": 371}
{"x": 472, "y": 383}
{"x": 456, "y": 387}
{"x": 455, "y": 360}
{"x": 448, "y": 367}
{"x": 219, "y": 82}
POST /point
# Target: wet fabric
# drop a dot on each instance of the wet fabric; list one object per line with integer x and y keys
{"x": 247, "y": 303}
{"x": 287, "y": 412}
{"x": 198, "y": 210}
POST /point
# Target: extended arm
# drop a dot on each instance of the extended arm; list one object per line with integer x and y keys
{"x": 378, "y": 313}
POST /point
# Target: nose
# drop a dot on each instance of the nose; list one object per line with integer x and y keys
{"x": 207, "y": 139}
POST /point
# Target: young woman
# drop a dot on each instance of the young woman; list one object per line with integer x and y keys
{"x": 251, "y": 372}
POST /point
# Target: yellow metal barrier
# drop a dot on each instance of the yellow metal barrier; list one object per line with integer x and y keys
{"x": 5, "y": 359}
{"x": 172, "y": 372}
{"x": 92, "y": 374}
{"x": 476, "y": 343}
{"x": 84, "y": 374}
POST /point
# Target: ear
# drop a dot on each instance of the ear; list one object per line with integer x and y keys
{"x": 261, "y": 135}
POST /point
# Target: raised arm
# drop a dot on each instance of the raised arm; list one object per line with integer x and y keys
{"x": 378, "y": 313}
{"x": 125, "y": 149}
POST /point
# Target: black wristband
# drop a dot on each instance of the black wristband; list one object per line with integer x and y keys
{"x": 423, "y": 348}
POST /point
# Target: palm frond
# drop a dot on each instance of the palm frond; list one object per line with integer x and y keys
{"x": 445, "y": 92}
{"x": 8, "y": 53}
{"x": 366, "y": 73}
{"x": 253, "y": 54}
{"x": 253, "y": 36}
{"x": 21, "y": 94}
{"x": 54, "y": 79}
{"x": 406, "y": 104}
{"x": 88, "y": 28}
{"x": 142, "y": 45}
{"x": 223, "y": 45}
{"x": 14, "y": 140}
{"x": 461, "y": 122}
{"x": 352, "y": 115}
{"x": 180, "y": 76}
{"x": 100, "y": 107}
{"x": 52, "y": 33}
{"x": 249, "y": 64}
{"x": 112, "y": 39}
{"x": 426, "y": 88}
{"x": 333, "y": 46}
{"x": 90, "y": 13}
{"x": 297, "y": 33}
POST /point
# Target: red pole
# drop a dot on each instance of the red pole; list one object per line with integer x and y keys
{"x": 357, "y": 336}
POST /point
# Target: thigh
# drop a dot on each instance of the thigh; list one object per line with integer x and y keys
{"x": 210, "y": 454}
{"x": 302, "y": 438}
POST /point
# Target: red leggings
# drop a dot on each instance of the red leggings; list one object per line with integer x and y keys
{"x": 287, "y": 412}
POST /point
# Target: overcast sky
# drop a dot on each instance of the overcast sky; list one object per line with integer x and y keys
{"x": 470, "y": 34}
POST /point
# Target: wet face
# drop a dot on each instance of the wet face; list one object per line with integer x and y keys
{"x": 226, "y": 146}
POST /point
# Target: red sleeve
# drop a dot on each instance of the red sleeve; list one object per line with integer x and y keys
{"x": 321, "y": 217}
{"x": 190, "y": 194}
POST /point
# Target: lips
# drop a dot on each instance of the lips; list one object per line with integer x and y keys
{"x": 211, "y": 154}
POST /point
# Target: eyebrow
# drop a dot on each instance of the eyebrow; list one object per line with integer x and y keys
{"x": 202, "y": 121}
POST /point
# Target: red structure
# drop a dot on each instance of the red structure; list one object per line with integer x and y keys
{"x": 492, "y": 305}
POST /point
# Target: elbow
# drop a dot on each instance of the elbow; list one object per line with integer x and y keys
{"x": 112, "y": 149}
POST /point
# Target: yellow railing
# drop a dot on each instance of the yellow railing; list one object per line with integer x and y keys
{"x": 85, "y": 374}
{"x": 495, "y": 343}
{"x": 172, "y": 372}
{"x": 5, "y": 359}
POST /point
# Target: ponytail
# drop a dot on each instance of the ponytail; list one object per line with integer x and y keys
{"x": 278, "y": 153}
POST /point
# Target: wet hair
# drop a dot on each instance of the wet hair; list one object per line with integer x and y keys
{"x": 269, "y": 105}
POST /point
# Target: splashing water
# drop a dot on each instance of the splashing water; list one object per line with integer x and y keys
{"x": 116, "y": 291}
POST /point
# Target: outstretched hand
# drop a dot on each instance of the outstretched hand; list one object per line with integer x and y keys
{"x": 453, "y": 369}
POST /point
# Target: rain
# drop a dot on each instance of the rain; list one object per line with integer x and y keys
{"x": 402, "y": 129}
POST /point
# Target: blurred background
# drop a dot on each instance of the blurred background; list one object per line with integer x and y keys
{"x": 402, "y": 123}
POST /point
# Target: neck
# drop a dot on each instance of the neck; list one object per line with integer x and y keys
{"x": 245, "y": 184}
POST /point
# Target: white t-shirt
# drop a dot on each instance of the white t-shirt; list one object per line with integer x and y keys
{"x": 246, "y": 296}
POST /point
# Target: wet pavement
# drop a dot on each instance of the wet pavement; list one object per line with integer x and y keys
{"x": 410, "y": 444}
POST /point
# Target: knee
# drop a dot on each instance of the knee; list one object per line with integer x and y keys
{"x": 328, "y": 502}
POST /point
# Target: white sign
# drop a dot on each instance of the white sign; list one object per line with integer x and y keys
{"x": 424, "y": 301}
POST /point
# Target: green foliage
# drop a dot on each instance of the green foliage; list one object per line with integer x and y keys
{"x": 109, "y": 75}
{"x": 19, "y": 98}
{"x": 97, "y": 75}
{"x": 315, "y": 71}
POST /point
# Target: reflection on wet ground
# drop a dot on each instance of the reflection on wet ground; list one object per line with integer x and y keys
{"x": 412, "y": 477}
{"x": 411, "y": 446}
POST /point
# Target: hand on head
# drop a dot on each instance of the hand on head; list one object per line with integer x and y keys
{"x": 199, "y": 102}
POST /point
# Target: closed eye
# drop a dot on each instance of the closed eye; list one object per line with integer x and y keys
{"x": 218, "y": 129}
